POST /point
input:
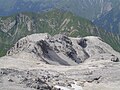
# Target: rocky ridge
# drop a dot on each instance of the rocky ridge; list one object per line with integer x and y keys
{"x": 60, "y": 49}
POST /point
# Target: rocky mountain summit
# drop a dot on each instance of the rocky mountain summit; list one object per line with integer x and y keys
{"x": 59, "y": 49}
{"x": 45, "y": 62}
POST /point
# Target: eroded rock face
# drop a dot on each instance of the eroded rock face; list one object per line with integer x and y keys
{"x": 10, "y": 23}
{"x": 7, "y": 24}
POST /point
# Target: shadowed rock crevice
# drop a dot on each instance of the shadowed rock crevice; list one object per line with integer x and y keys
{"x": 82, "y": 42}
{"x": 44, "y": 46}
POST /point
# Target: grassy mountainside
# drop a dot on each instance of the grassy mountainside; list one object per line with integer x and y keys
{"x": 53, "y": 22}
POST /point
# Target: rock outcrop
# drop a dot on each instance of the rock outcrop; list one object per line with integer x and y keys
{"x": 60, "y": 49}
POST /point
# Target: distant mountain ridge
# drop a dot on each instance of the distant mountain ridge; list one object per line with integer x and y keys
{"x": 14, "y": 27}
{"x": 90, "y": 9}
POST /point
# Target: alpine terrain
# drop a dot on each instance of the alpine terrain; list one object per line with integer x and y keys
{"x": 45, "y": 62}
{"x": 59, "y": 44}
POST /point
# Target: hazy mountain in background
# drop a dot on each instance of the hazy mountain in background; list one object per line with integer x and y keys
{"x": 89, "y": 9}
{"x": 9, "y": 7}
{"x": 110, "y": 21}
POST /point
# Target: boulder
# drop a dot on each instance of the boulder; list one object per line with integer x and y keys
{"x": 82, "y": 43}
{"x": 114, "y": 59}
